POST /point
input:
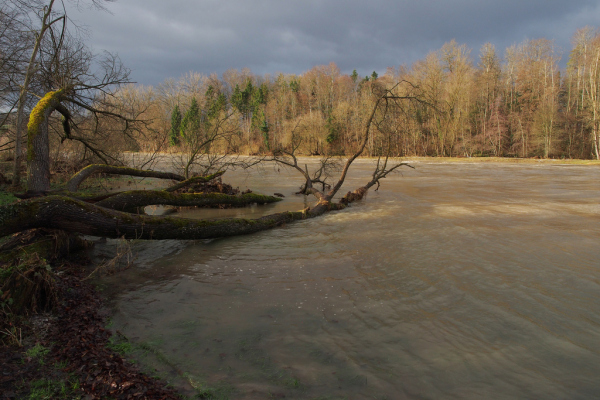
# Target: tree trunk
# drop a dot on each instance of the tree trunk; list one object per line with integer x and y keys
{"x": 38, "y": 146}
{"x": 134, "y": 200}
{"x": 24, "y": 88}
{"x": 194, "y": 180}
{"x": 57, "y": 212}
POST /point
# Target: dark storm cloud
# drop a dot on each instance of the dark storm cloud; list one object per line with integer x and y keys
{"x": 158, "y": 39}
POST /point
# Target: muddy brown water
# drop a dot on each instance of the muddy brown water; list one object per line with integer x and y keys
{"x": 453, "y": 281}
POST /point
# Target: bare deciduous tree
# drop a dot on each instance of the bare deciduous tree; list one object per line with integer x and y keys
{"x": 39, "y": 17}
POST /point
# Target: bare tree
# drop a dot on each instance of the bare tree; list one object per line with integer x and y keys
{"x": 83, "y": 98}
{"x": 14, "y": 43}
{"x": 46, "y": 17}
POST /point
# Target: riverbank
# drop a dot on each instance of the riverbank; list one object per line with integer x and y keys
{"x": 69, "y": 353}
{"x": 550, "y": 161}
{"x": 54, "y": 335}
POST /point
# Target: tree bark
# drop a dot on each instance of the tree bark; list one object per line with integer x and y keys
{"x": 25, "y": 87}
{"x": 38, "y": 145}
{"x": 57, "y": 212}
{"x": 134, "y": 200}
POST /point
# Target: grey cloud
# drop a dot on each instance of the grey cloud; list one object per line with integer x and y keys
{"x": 159, "y": 39}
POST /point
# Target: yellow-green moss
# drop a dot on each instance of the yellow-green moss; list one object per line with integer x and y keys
{"x": 37, "y": 117}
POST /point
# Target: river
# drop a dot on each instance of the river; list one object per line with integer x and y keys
{"x": 453, "y": 281}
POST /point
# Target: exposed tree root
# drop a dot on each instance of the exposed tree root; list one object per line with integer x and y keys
{"x": 28, "y": 286}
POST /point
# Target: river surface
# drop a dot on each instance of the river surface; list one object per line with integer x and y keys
{"x": 453, "y": 281}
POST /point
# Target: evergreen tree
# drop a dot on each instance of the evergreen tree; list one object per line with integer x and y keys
{"x": 175, "y": 126}
{"x": 215, "y": 102}
{"x": 243, "y": 99}
{"x": 333, "y": 129}
{"x": 190, "y": 125}
{"x": 295, "y": 86}
{"x": 264, "y": 128}
{"x": 236, "y": 97}
{"x": 354, "y": 76}
{"x": 262, "y": 94}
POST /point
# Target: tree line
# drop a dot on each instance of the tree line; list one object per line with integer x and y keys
{"x": 521, "y": 104}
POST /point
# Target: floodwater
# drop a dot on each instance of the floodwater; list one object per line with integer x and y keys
{"x": 453, "y": 281}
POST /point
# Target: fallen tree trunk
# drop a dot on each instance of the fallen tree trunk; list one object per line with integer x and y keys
{"x": 135, "y": 200}
{"x": 78, "y": 178}
{"x": 58, "y": 212}
{"x": 95, "y": 198}
{"x": 77, "y": 216}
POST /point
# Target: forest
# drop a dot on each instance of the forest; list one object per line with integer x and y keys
{"x": 516, "y": 104}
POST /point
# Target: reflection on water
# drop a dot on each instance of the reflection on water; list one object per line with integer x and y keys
{"x": 451, "y": 282}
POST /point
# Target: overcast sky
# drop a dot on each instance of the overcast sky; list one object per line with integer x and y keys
{"x": 159, "y": 39}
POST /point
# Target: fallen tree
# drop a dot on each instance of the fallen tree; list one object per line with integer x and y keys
{"x": 115, "y": 214}
{"x": 135, "y": 200}
{"x": 46, "y": 227}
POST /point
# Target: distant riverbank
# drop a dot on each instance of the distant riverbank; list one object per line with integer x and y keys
{"x": 502, "y": 160}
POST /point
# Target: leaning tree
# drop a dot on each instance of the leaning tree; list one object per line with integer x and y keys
{"x": 117, "y": 215}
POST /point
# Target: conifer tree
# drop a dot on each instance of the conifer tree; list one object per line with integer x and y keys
{"x": 190, "y": 125}
{"x": 175, "y": 126}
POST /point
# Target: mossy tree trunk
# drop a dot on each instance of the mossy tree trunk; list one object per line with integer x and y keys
{"x": 76, "y": 216}
{"x": 47, "y": 22}
{"x": 38, "y": 146}
{"x": 38, "y": 143}
{"x": 135, "y": 200}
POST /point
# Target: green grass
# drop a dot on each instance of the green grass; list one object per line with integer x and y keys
{"x": 37, "y": 352}
{"x": 6, "y": 198}
{"x": 119, "y": 345}
{"x": 221, "y": 390}
{"x": 43, "y": 389}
